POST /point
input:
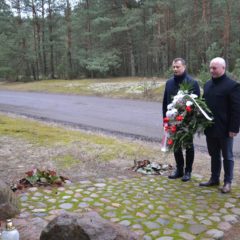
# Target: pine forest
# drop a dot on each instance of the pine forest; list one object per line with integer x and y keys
{"x": 72, "y": 39}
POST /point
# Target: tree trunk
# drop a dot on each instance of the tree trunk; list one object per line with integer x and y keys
{"x": 88, "y": 41}
{"x": 227, "y": 30}
{"x": 43, "y": 39}
{"x": 23, "y": 45}
{"x": 69, "y": 41}
{"x": 35, "y": 66}
{"x": 206, "y": 20}
{"x": 131, "y": 55}
{"x": 50, "y": 29}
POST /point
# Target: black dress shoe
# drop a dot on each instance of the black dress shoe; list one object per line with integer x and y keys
{"x": 226, "y": 188}
{"x": 210, "y": 183}
{"x": 176, "y": 174}
{"x": 186, "y": 177}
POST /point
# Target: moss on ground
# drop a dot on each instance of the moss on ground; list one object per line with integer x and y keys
{"x": 66, "y": 161}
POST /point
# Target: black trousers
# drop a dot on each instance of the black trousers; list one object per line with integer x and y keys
{"x": 179, "y": 158}
{"x": 217, "y": 147}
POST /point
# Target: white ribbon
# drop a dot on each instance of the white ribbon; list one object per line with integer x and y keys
{"x": 202, "y": 111}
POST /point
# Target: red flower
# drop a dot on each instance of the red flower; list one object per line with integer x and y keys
{"x": 166, "y": 127}
{"x": 29, "y": 173}
{"x": 170, "y": 141}
{"x": 166, "y": 120}
{"x": 173, "y": 129}
{"x": 188, "y": 109}
{"x": 179, "y": 118}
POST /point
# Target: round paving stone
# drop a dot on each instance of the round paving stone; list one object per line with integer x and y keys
{"x": 40, "y": 214}
{"x": 230, "y": 218}
{"x": 125, "y": 223}
{"x": 162, "y": 221}
{"x": 225, "y": 226}
{"x": 69, "y": 192}
{"x": 37, "y": 209}
{"x": 66, "y": 197}
{"x": 155, "y": 233}
{"x": 137, "y": 226}
{"x": 152, "y": 225}
{"x": 178, "y": 226}
{"x": 83, "y": 205}
{"x": 77, "y": 195}
{"x": 87, "y": 199}
{"x": 37, "y": 194}
{"x": 100, "y": 185}
{"x": 216, "y": 234}
{"x": 168, "y": 231}
{"x": 187, "y": 236}
{"x": 98, "y": 204}
{"x": 94, "y": 195}
{"x": 197, "y": 229}
{"x": 24, "y": 198}
{"x": 110, "y": 214}
{"x": 236, "y": 210}
{"x": 142, "y": 215}
{"x": 33, "y": 189}
{"x": 146, "y": 237}
{"x": 206, "y": 222}
{"x": 215, "y": 218}
{"x": 66, "y": 206}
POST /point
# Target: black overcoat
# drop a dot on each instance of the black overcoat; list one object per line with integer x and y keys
{"x": 222, "y": 96}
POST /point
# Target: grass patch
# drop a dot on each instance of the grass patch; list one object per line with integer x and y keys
{"x": 66, "y": 161}
{"x": 89, "y": 145}
{"x": 132, "y": 88}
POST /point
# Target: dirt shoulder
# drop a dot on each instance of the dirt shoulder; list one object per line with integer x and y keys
{"x": 17, "y": 155}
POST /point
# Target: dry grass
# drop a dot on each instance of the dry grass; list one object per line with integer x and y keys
{"x": 131, "y": 88}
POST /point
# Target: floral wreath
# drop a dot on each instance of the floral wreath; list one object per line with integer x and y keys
{"x": 186, "y": 115}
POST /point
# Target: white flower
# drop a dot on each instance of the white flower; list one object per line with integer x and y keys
{"x": 180, "y": 92}
{"x": 174, "y": 101}
{"x": 171, "y": 113}
{"x": 189, "y": 103}
{"x": 180, "y": 96}
{"x": 174, "y": 111}
{"x": 170, "y": 106}
{"x": 193, "y": 95}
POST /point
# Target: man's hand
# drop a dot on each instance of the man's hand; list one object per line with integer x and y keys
{"x": 232, "y": 134}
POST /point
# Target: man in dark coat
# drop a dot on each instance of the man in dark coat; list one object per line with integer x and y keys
{"x": 222, "y": 96}
{"x": 171, "y": 89}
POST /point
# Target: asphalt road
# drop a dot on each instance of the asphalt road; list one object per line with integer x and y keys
{"x": 138, "y": 119}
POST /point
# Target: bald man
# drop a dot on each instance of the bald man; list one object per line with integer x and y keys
{"x": 222, "y": 96}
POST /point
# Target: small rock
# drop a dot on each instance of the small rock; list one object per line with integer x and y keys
{"x": 8, "y": 202}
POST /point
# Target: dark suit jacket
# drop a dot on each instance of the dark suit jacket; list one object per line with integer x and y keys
{"x": 222, "y": 96}
{"x": 172, "y": 87}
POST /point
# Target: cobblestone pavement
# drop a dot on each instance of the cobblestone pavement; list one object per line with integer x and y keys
{"x": 152, "y": 206}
